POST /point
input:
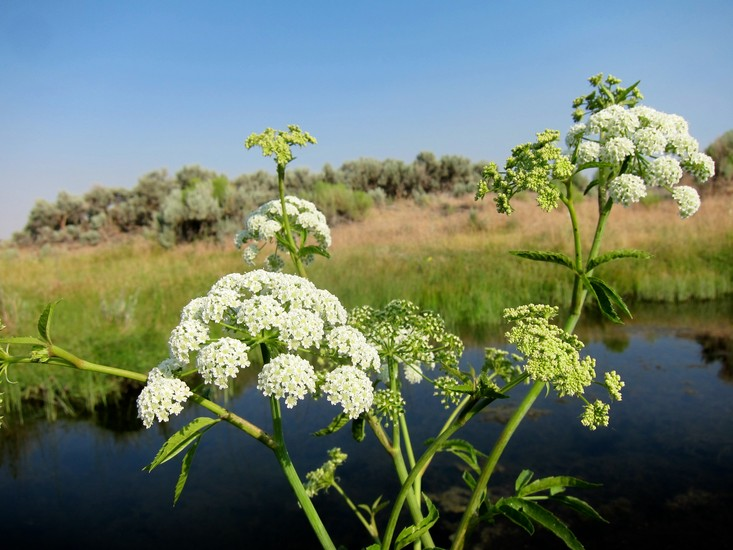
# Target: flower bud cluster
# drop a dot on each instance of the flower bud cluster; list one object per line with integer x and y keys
{"x": 532, "y": 167}
{"x": 552, "y": 355}
{"x": 414, "y": 339}
{"x": 288, "y": 315}
{"x": 266, "y": 224}
{"x": 325, "y": 476}
{"x": 278, "y": 143}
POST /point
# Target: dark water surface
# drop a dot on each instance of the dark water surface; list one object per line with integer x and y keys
{"x": 666, "y": 462}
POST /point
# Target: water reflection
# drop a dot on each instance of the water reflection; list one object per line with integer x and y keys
{"x": 666, "y": 461}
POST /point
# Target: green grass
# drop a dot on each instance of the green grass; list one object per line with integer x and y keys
{"x": 120, "y": 302}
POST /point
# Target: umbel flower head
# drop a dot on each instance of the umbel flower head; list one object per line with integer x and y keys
{"x": 552, "y": 355}
{"x": 633, "y": 147}
{"x": 265, "y": 225}
{"x": 278, "y": 143}
{"x": 414, "y": 339}
{"x": 297, "y": 322}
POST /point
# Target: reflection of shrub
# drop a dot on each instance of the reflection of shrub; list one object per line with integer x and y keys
{"x": 338, "y": 201}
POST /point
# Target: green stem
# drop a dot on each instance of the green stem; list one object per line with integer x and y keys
{"x": 293, "y": 249}
{"x": 72, "y": 361}
{"x": 492, "y": 461}
{"x": 370, "y": 526}
{"x": 286, "y": 464}
{"x": 576, "y": 309}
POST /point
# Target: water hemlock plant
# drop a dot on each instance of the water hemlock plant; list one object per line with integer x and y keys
{"x": 305, "y": 344}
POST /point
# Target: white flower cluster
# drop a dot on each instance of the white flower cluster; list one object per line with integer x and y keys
{"x": 289, "y": 315}
{"x": 265, "y": 223}
{"x": 644, "y": 148}
{"x": 163, "y": 395}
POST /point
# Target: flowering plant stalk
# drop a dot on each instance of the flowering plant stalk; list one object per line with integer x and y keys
{"x": 307, "y": 346}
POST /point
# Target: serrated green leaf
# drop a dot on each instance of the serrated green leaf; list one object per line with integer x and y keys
{"x": 580, "y": 506}
{"x": 547, "y": 519}
{"x": 523, "y": 478}
{"x": 339, "y": 421}
{"x": 617, "y": 255}
{"x": 544, "y": 256}
{"x": 554, "y": 483}
{"x": 180, "y": 440}
{"x": 612, "y": 295}
{"x": 463, "y": 450}
{"x": 185, "y": 468}
{"x": 412, "y": 533}
{"x": 44, "y": 321}
{"x": 603, "y": 299}
{"x": 515, "y": 514}
{"x": 358, "y": 429}
{"x": 374, "y": 546}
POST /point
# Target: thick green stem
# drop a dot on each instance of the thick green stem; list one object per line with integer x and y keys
{"x": 293, "y": 248}
{"x": 467, "y": 409}
{"x": 492, "y": 461}
{"x": 576, "y": 309}
{"x": 286, "y": 464}
{"x": 71, "y": 360}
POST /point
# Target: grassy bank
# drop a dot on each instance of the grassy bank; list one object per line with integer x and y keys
{"x": 448, "y": 254}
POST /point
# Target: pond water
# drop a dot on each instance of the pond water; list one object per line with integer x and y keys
{"x": 665, "y": 462}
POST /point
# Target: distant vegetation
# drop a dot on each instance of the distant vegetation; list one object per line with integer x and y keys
{"x": 199, "y": 204}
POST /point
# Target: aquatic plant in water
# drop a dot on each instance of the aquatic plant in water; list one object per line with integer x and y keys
{"x": 305, "y": 345}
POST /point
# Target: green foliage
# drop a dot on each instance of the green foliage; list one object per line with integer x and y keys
{"x": 338, "y": 201}
{"x": 524, "y": 509}
{"x": 721, "y": 151}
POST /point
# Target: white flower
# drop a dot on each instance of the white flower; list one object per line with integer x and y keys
{"x": 300, "y": 328}
{"x": 588, "y": 151}
{"x": 613, "y": 121}
{"x": 683, "y": 145}
{"x": 700, "y": 165}
{"x": 329, "y": 307}
{"x": 349, "y": 387}
{"x": 649, "y": 141}
{"x": 194, "y": 309}
{"x": 222, "y": 360}
{"x": 687, "y": 200}
{"x": 261, "y": 227}
{"x": 187, "y": 337}
{"x": 664, "y": 171}
{"x": 351, "y": 342}
{"x": 575, "y": 134}
{"x": 627, "y": 189}
{"x": 250, "y": 253}
{"x": 287, "y": 376}
{"x": 616, "y": 149}
{"x": 259, "y": 313}
{"x": 161, "y": 397}
{"x": 220, "y": 305}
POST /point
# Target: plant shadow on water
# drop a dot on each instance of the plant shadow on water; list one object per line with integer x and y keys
{"x": 665, "y": 462}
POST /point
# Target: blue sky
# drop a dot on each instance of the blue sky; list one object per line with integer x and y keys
{"x": 102, "y": 92}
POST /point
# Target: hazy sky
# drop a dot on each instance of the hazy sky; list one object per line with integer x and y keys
{"x": 102, "y": 92}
